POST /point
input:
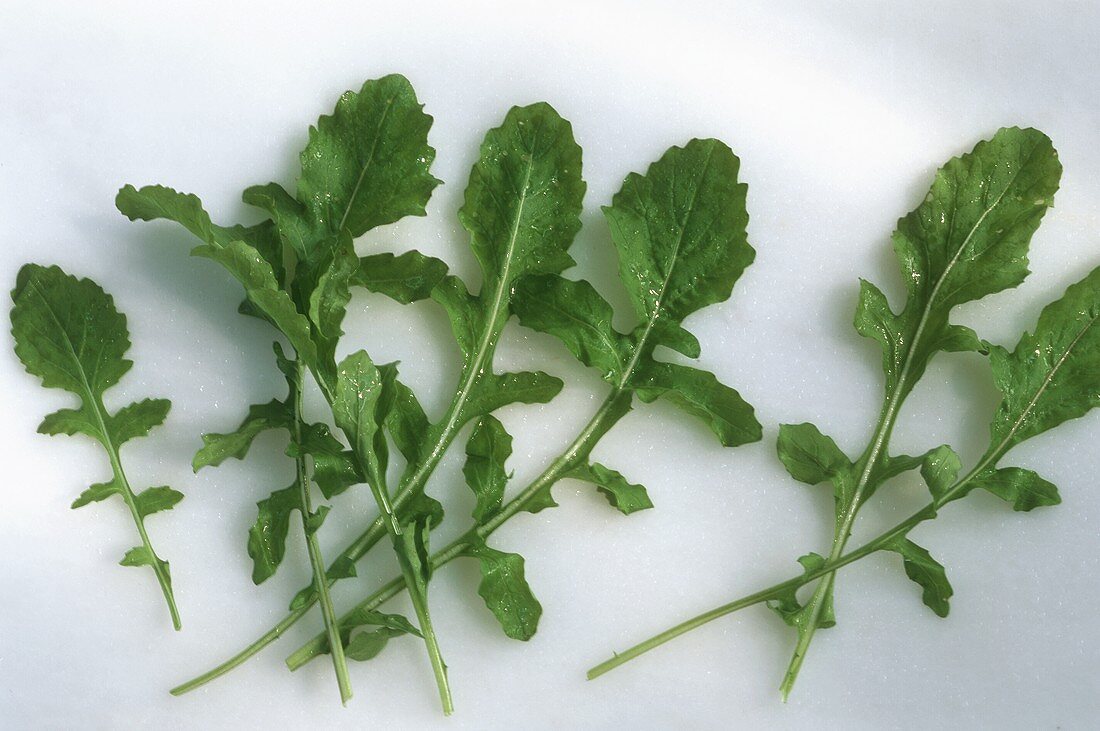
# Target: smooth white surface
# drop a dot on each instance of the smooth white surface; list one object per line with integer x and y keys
{"x": 840, "y": 113}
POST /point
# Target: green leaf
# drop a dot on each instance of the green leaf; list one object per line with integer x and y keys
{"x": 940, "y": 470}
{"x": 966, "y": 240}
{"x": 494, "y": 391}
{"x": 1051, "y": 376}
{"x": 358, "y": 388}
{"x": 410, "y": 277}
{"x": 155, "y": 499}
{"x": 97, "y": 492}
{"x": 927, "y": 572}
{"x": 154, "y": 202}
{"x": 137, "y": 419}
{"x": 523, "y": 202}
{"x": 680, "y": 235}
{"x": 1023, "y": 488}
{"x": 463, "y": 310}
{"x": 505, "y": 591}
{"x": 368, "y": 645}
{"x": 809, "y": 455}
{"x": 69, "y": 334}
{"x": 681, "y": 232}
{"x": 258, "y": 279}
{"x": 487, "y": 450}
{"x": 576, "y": 314}
{"x": 702, "y": 395}
{"x": 407, "y": 425}
{"x": 70, "y": 422}
{"x": 267, "y": 536}
{"x": 216, "y": 448}
{"x": 623, "y": 495}
{"x": 367, "y": 164}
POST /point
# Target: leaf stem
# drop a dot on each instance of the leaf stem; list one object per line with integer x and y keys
{"x": 316, "y": 560}
{"x": 241, "y": 657}
{"x": 160, "y": 568}
{"x": 878, "y": 543}
{"x": 387, "y": 515}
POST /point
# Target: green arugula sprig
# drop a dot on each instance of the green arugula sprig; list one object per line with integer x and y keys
{"x": 366, "y": 165}
{"x": 680, "y": 232}
{"x": 68, "y": 333}
{"x": 968, "y": 239}
{"x": 522, "y": 211}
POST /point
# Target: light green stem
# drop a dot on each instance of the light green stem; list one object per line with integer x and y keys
{"x": 316, "y": 560}
{"x": 158, "y": 565}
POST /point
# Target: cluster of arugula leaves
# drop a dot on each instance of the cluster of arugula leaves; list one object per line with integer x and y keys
{"x": 967, "y": 239}
{"x": 680, "y": 232}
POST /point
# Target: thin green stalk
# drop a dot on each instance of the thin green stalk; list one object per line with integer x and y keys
{"x": 776, "y": 591}
{"x": 612, "y": 409}
{"x": 376, "y": 480}
{"x": 316, "y": 560}
{"x": 128, "y": 495}
{"x": 418, "y": 596}
{"x": 263, "y": 641}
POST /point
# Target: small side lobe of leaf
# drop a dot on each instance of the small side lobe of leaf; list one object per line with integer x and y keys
{"x": 506, "y": 592}
{"x": 926, "y": 572}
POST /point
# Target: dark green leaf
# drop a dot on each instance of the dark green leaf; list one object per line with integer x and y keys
{"x": 702, "y": 395}
{"x": 623, "y": 495}
{"x": 494, "y": 391}
{"x": 358, "y": 388}
{"x": 407, "y": 278}
{"x": 523, "y": 201}
{"x": 155, "y": 499}
{"x": 97, "y": 492}
{"x": 137, "y": 419}
{"x": 681, "y": 232}
{"x": 940, "y": 470}
{"x": 1052, "y": 375}
{"x": 267, "y": 536}
{"x": 487, "y": 450}
{"x": 367, "y": 164}
{"x": 1023, "y": 488}
{"x": 809, "y": 455}
{"x": 506, "y": 593}
{"x": 928, "y": 573}
{"x": 966, "y": 240}
{"x": 261, "y": 417}
{"x": 577, "y": 315}
{"x": 69, "y": 334}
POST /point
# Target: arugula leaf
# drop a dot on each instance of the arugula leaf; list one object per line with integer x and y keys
{"x": 927, "y": 572}
{"x": 680, "y": 232}
{"x": 505, "y": 591}
{"x": 69, "y": 334}
{"x": 968, "y": 239}
{"x": 623, "y": 495}
{"x": 489, "y": 446}
{"x": 367, "y": 164}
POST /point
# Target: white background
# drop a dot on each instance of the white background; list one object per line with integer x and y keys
{"x": 840, "y": 113}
